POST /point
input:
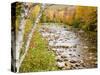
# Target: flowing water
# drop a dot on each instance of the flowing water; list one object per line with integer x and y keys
{"x": 71, "y": 49}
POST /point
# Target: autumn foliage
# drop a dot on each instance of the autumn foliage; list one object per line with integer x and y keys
{"x": 84, "y": 17}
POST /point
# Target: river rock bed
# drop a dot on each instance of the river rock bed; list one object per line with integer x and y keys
{"x": 70, "y": 51}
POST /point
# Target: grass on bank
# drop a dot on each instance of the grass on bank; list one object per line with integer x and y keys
{"x": 38, "y": 57}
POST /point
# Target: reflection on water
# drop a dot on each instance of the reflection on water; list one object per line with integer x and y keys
{"x": 73, "y": 48}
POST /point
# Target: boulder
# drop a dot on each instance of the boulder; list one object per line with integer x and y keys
{"x": 85, "y": 47}
{"x": 67, "y": 65}
{"x": 59, "y": 59}
{"x": 60, "y": 64}
{"x": 65, "y": 59}
{"x": 73, "y": 61}
{"x": 64, "y": 55}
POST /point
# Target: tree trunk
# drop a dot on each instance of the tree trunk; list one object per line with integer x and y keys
{"x": 19, "y": 36}
{"x": 29, "y": 37}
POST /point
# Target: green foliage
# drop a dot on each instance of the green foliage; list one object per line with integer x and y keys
{"x": 84, "y": 27}
{"x": 18, "y": 8}
{"x": 88, "y": 16}
{"x": 43, "y": 18}
{"x": 76, "y": 23}
{"x": 29, "y": 22}
{"x": 38, "y": 57}
{"x": 28, "y": 27}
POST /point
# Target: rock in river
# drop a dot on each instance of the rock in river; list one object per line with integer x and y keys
{"x": 59, "y": 59}
{"x": 60, "y": 64}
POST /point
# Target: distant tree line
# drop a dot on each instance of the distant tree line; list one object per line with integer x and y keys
{"x": 84, "y": 17}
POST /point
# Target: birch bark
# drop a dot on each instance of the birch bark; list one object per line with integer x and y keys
{"x": 29, "y": 37}
{"x": 19, "y": 36}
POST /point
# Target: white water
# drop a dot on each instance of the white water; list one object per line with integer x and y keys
{"x": 68, "y": 48}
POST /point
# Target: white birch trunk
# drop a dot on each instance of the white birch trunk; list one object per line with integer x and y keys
{"x": 19, "y": 38}
{"x": 30, "y": 35}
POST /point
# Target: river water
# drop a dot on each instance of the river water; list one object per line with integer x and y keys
{"x": 72, "y": 50}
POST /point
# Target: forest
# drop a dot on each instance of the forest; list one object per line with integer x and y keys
{"x": 53, "y": 37}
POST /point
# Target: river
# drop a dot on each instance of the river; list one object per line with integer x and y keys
{"x": 72, "y": 49}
